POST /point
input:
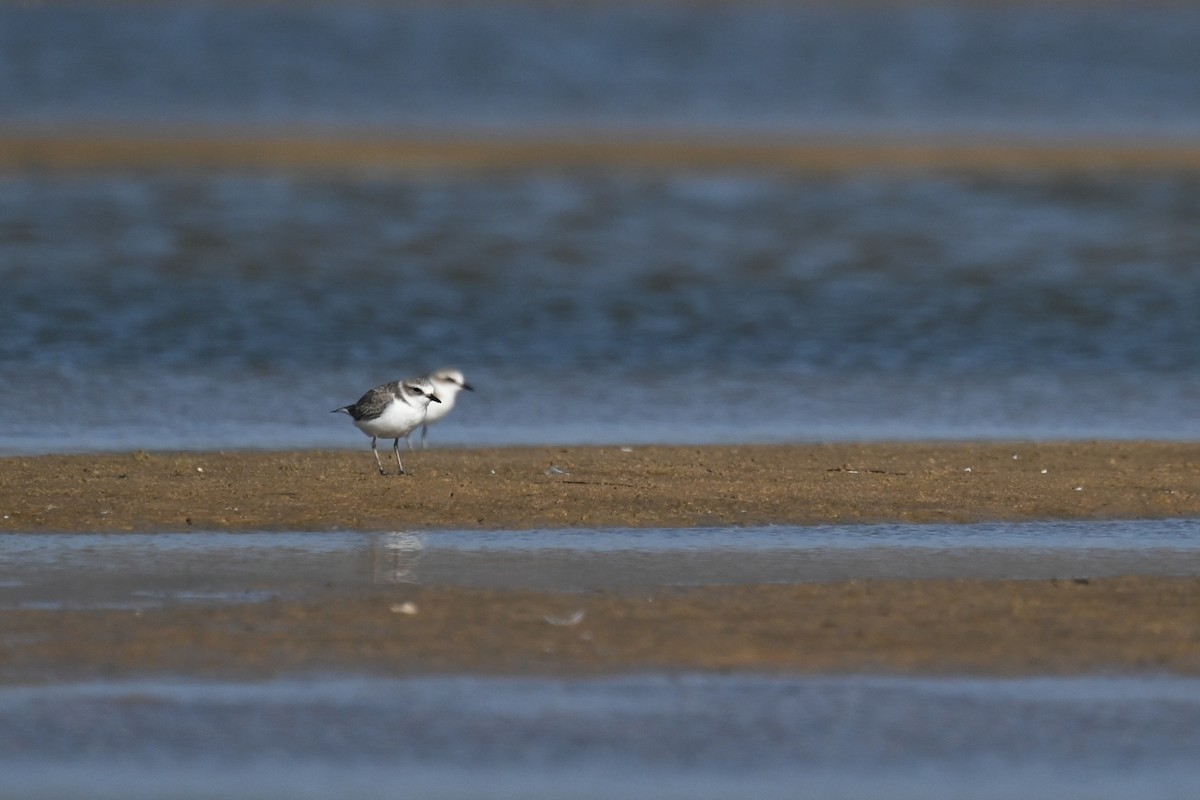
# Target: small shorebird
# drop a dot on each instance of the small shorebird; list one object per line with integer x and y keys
{"x": 447, "y": 382}
{"x": 392, "y": 410}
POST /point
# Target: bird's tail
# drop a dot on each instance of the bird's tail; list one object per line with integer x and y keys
{"x": 343, "y": 409}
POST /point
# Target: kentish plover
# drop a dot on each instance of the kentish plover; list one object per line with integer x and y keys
{"x": 392, "y": 411}
{"x": 447, "y": 383}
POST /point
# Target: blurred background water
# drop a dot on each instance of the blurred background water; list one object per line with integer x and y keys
{"x": 669, "y": 737}
{"x": 234, "y": 307}
{"x": 1066, "y": 69}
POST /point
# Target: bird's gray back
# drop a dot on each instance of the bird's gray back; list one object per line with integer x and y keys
{"x": 375, "y": 401}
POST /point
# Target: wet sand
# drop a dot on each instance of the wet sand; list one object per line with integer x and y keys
{"x": 104, "y": 149}
{"x": 926, "y": 626}
{"x": 1060, "y": 627}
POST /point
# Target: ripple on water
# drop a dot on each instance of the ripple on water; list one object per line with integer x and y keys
{"x": 695, "y": 736}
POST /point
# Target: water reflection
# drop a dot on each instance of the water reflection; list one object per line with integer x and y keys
{"x": 148, "y": 570}
{"x": 396, "y": 557}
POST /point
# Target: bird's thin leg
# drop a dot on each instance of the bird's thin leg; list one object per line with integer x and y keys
{"x": 396, "y": 450}
{"x": 424, "y": 431}
{"x": 376, "y": 452}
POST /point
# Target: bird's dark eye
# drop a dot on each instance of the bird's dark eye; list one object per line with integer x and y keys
{"x": 417, "y": 391}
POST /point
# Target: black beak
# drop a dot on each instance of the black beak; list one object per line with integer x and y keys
{"x": 468, "y": 387}
{"x": 434, "y": 398}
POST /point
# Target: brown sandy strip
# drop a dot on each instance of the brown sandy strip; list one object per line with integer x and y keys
{"x": 557, "y": 487}
{"x": 1066, "y": 626}
{"x": 62, "y": 151}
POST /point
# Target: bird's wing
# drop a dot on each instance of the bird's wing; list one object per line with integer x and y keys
{"x": 373, "y": 403}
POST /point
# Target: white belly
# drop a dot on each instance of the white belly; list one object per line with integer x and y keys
{"x": 399, "y": 419}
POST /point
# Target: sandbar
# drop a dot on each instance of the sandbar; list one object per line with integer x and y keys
{"x": 442, "y": 152}
{"x": 610, "y": 486}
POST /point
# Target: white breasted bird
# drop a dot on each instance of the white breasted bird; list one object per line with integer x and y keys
{"x": 447, "y": 382}
{"x": 391, "y": 411}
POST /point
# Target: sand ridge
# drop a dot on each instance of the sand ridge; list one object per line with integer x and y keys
{"x": 101, "y": 149}
{"x": 580, "y": 487}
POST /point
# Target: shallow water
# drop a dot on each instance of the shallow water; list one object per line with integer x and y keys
{"x": 209, "y": 312}
{"x": 695, "y": 736}
{"x": 148, "y": 570}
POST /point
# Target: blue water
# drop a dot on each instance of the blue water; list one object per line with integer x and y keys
{"x": 681, "y": 736}
{"x": 517, "y": 66}
{"x": 225, "y": 311}
{"x": 186, "y": 309}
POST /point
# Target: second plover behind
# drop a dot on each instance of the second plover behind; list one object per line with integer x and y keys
{"x": 447, "y": 382}
{"x": 392, "y": 410}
